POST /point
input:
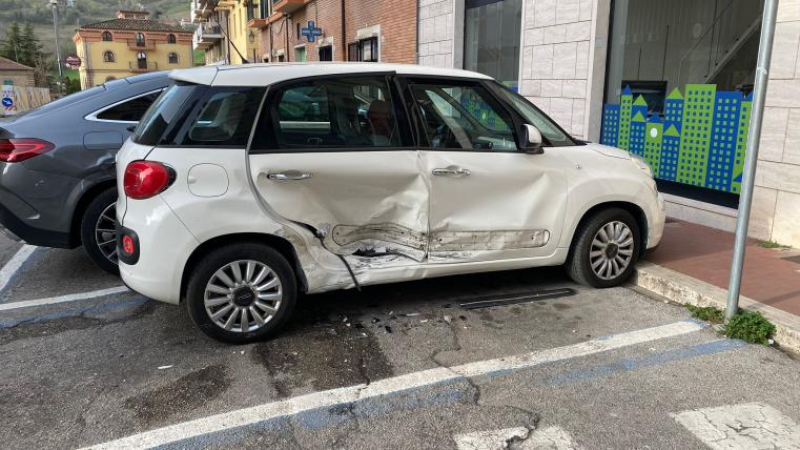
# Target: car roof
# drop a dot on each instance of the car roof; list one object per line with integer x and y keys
{"x": 265, "y": 74}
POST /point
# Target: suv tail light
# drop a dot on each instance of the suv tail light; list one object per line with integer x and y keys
{"x": 18, "y": 150}
{"x": 145, "y": 179}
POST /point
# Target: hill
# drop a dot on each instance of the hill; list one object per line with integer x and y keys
{"x": 39, "y": 13}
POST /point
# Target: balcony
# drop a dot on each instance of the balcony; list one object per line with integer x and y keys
{"x": 287, "y": 6}
{"x": 202, "y": 9}
{"x": 140, "y": 66}
{"x": 226, "y": 5}
{"x": 262, "y": 23}
{"x": 206, "y": 35}
{"x": 134, "y": 44}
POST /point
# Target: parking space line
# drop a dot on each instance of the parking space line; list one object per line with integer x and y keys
{"x": 741, "y": 427}
{"x": 12, "y": 266}
{"x": 63, "y": 298}
{"x": 393, "y": 386}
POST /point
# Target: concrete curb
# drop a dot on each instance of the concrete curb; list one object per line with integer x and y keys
{"x": 684, "y": 289}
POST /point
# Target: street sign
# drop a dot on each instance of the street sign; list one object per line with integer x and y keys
{"x": 311, "y": 32}
{"x": 8, "y": 103}
{"x": 73, "y": 61}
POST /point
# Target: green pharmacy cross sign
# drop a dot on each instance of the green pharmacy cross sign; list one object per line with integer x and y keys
{"x": 700, "y": 140}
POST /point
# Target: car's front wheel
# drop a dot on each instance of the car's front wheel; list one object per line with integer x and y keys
{"x": 605, "y": 249}
{"x": 98, "y": 231}
{"x": 241, "y": 293}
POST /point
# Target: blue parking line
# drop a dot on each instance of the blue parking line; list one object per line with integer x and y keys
{"x": 656, "y": 359}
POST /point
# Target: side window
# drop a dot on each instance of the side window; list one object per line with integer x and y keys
{"x": 335, "y": 113}
{"x": 462, "y": 116}
{"x": 224, "y": 117}
{"x": 130, "y": 111}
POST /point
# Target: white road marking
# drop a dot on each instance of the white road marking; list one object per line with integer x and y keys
{"x": 742, "y": 427}
{"x": 402, "y": 383}
{"x": 550, "y": 438}
{"x": 63, "y": 298}
{"x": 12, "y": 266}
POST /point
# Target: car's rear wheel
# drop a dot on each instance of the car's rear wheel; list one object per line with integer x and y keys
{"x": 98, "y": 231}
{"x": 605, "y": 249}
{"x": 241, "y": 293}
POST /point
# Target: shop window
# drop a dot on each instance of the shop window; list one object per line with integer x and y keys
{"x": 492, "y": 32}
{"x": 678, "y": 84}
{"x": 326, "y": 53}
{"x": 300, "y": 54}
{"x": 365, "y": 50}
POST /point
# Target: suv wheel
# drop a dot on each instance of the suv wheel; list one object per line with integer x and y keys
{"x": 98, "y": 231}
{"x": 606, "y": 249}
{"x": 241, "y": 293}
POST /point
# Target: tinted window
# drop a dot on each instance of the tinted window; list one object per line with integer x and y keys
{"x": 550, "y": 131}
{"x": 463, "y": 116}
{"x": 130, "y": 111}
{"x": 163, "y": 113}
{"x": 331, "y": 113}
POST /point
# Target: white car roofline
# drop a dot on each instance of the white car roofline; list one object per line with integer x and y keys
{"x": 265, "y": 74}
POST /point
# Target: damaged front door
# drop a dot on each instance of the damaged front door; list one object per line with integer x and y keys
{"x": 489, "y": 200}
{"x": 334, "y": 154}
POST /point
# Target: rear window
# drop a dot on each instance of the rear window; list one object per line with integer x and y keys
{"x": 189, "y": 115}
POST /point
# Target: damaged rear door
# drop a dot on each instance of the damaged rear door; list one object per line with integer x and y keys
{"x": 489, "y": 200}
{"x": 335, "y": 154}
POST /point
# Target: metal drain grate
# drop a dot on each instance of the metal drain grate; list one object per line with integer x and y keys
{"x": 513, "y": 299}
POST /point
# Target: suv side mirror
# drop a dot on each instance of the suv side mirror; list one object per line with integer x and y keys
{"x": 531, "y": 140}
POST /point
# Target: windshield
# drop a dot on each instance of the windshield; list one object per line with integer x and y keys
{"x": 162, "y": 113}
{"x": 550, "y": 131}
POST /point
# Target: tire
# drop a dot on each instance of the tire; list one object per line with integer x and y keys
{"x": 240, "y": 297}
{"x": 586, "y": 266}
{"x": 101, "y": 246}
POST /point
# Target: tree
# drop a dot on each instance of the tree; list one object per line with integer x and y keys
{"x": 11, "y": 44}
{"x": 30, "y": 47}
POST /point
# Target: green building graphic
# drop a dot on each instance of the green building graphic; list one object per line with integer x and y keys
{"x": 741, "y": 143}
{"x": 698, "y": 114}
{"x": 699, "y": 139}
{"x": 626, "y": 103}
{"x": 653, "y": 139}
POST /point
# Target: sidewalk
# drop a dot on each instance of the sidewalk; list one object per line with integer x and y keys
{"x": 692, "y": 265}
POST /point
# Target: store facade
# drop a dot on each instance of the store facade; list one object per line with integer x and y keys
{"x": 669, "y": 81}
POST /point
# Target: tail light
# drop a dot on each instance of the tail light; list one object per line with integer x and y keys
{"x": 145, "y": 179}
{"x": 18, "y": 150}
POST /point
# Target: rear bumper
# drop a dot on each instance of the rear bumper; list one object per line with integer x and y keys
{"x": 163, "y": 248}
{"x": 17, "y": 229}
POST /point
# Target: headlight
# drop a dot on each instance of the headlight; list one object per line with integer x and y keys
{"x": 642, "y": 164}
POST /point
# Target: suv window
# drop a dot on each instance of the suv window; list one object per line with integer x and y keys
{"x": 463, "y": 116}
{"x": 550, "y": 131}
{"x": 335, "y": 113}
{"x": 189, "y": 115}
{"x": 130, "y": 111}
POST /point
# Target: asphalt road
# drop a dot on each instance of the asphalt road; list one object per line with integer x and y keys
{"x": 396, "y": 366}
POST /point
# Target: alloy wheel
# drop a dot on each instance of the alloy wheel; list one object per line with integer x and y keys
{"x": 105, "y": 233}
{"x": 612, "y": 250}
{"x": 243, "y": 296}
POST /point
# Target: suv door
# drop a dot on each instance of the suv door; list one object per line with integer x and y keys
{"x": 335, "y": 154}
{"x": 489, "y": 200}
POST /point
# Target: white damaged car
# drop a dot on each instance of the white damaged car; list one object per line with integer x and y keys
{"x": 244, "y": 186}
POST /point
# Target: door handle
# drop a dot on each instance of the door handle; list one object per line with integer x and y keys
{"x": 451, "y": 171}
{"x": 289, "y": 175}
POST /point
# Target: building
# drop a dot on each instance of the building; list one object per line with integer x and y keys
{"x": 237, "y": 31}
{"x": 15, "y": 74}
{"x": 588, "y": 62}
{"x": 129, "y": 45}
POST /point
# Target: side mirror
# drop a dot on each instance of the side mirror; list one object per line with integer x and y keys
{"x": 531, "y": 140}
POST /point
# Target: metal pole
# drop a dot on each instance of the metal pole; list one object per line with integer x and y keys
{"x": 54, "y": 4}
{"x": 751, "y": 155}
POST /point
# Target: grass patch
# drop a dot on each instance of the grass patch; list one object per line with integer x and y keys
{"x": 706, "y": 313}
{"x": 772, "y": 244}
{"x": 751, "y": 327}
{"x": 746, "y": 325}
